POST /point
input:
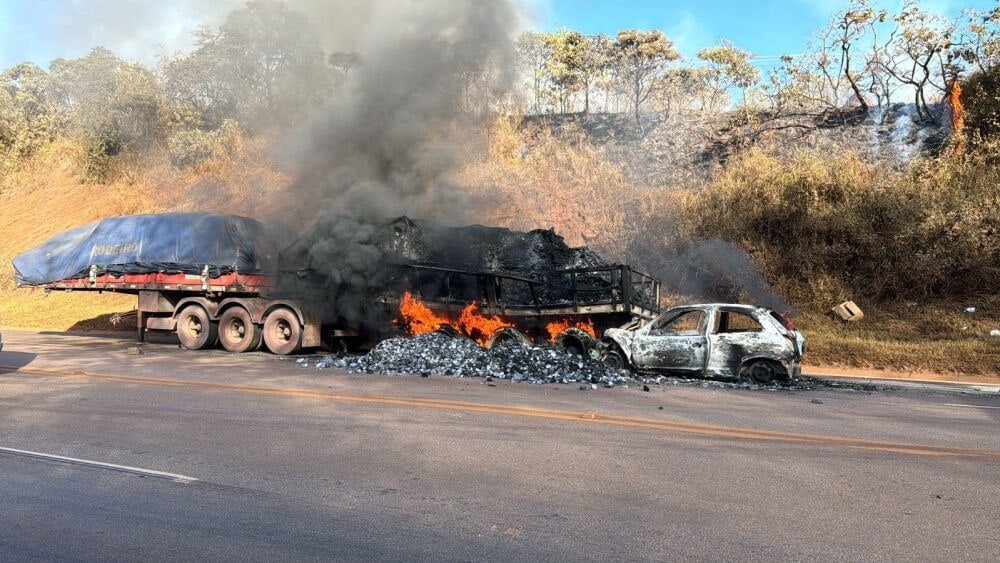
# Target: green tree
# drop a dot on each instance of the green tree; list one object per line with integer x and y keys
{"x": 110, "y": 103}
{"x": 729, "y": 67}
{"x": 29, "y": 111}
{"x": 565, "y": 63}
{"x": 264, "y": 66}
{"x": 981, "y": 100}
{"x": 979, "y": 42}
{"x": 642, "y": 56}
{"x": 918, "y": 54}
{"x": 598, "y": 56}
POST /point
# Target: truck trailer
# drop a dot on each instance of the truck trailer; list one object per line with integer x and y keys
{"x": 216, "y": 279}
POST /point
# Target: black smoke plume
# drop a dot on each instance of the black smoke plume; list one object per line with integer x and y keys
{"x": 388, "y": 145}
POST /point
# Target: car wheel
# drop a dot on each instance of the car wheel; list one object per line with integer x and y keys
{"x": 282, "y": 332}
{"x": 195, "y": 330}
{"x": 237, "y": 331}
{"x": 614, "y": 359}
{"x": 760, "y": 371}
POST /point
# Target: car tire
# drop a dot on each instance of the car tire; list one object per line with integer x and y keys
{"x": 614, "y": 358}
{"x": 762, "y": 372}
{"x": 195, "y": 330}
{"x": 237, "y": 331}
{"x": 282, "y": 331}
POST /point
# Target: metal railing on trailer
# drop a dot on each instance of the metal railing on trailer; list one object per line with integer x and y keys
{"x": 599, "y": 290}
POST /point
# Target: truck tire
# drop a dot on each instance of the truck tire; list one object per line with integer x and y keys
{"x": 237, "y": 331}
{"x": 195, "y": 330}
{"x": 282, "y": 331}
{"x": 576, "y": 341}
{"x": 508, "y": 335}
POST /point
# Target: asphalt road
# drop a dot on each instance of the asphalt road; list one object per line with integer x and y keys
{"x": 286, "y": 463}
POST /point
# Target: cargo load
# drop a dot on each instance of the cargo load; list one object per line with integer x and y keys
{"x": 172, "y": 243}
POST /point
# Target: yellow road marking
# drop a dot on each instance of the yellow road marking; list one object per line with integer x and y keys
{"x": 534, "y": 412}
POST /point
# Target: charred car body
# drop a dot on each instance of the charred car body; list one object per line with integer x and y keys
{"x": 710, "y": 340}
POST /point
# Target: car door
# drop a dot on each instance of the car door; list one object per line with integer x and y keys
{"x": 674, "y": 342}
{"x": 734, "y": 335}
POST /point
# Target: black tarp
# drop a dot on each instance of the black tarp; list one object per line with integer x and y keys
{"x": 166, "y": 242}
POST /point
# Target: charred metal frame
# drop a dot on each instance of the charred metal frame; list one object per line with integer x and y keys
{"x": 627, "y": 292}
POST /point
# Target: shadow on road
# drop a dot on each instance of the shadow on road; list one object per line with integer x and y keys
{"x": 13, "y": 361}
{"x": 128, "y": 335}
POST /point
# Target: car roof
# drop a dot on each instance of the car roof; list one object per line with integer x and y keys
{"x": 739, "y": 307}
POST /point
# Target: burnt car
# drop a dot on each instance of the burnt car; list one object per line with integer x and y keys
{"x": 710, "y": 340}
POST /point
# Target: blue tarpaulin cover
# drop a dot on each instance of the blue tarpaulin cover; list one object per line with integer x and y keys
{"x": 135, "y": 244}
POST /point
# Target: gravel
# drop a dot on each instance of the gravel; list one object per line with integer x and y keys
{"x": 440, "y": 354}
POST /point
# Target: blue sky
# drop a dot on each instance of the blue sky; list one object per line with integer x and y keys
{"x": 765, "y": 27}
{"x": 40, "y": 30}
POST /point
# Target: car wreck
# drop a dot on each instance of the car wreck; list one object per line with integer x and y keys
{"x": 709, "y": 340}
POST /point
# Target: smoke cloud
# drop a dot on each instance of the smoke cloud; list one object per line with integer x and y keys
{"x": 388, "y": 144}
{"x": 709, "y": 269}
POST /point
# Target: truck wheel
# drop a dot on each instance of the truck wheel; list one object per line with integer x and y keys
{"x": 237, "y": 332}
{"x": 282, "y": 331}
{"x": 575, "y": 341}
{"x": 510, "y": 335}
{"x": 195, "y": 330}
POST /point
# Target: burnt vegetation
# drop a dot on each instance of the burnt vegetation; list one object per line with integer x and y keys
{"x": 863, "y": 168}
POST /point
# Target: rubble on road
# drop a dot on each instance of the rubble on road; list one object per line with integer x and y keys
{"x": 439, "y": 354}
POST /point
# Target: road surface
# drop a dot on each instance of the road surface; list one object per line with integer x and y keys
{"x": 179, "y": 456}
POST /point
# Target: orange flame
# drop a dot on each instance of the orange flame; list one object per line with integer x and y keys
{"x": 558, "y": 327}
{"x": 479, "y": 327}
{"x": 419, "y": 319}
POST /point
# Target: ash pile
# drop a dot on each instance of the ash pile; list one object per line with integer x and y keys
{"x": 534, "y": 254}
{"x": 539, "y": 255}
{"x": 442, "y": 355}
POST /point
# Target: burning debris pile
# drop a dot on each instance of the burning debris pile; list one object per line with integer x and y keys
{"x": 435, "y": 353}
{"x": 537, "y": 255}
{"x": 534, "y": 254}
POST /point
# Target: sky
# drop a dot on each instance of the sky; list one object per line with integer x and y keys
{"x": 767, "y": 28}
{"x": 41, "y": 30}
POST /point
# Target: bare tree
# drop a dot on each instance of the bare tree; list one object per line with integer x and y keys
{"x": 917, "y": 54}
{"x": 643, "y": 56}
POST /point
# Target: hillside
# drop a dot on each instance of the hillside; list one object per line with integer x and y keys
{"x": 684, "y": 150}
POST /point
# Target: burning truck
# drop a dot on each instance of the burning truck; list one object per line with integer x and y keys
{"x": 233, "y": 281}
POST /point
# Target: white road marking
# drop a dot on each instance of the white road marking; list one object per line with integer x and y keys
{"x": 100, "y": 464}
{"x": 968, "y": 406}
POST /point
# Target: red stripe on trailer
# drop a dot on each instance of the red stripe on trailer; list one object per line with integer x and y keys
{"x": 158, "y": 279}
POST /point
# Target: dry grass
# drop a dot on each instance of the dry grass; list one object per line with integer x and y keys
{"x": 533, "y": 179}
{"x": 858, "y": 227}
{"x": 44, "y": 196}
{"x": 933, "y": 337}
